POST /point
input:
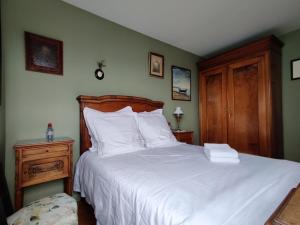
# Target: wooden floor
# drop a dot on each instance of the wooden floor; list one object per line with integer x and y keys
{"x": 85, "y": 214}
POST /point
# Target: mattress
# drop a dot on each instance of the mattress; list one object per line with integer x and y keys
{"x": 179, "y": 186}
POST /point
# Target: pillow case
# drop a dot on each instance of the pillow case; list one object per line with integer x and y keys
{"x": 118, "y": 134}
{"x": 155, "y": 130}
{"x": 156, "y": 111}
{"x": 90, "y": 115}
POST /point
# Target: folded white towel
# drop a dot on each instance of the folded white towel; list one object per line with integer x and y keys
{"x": 222, "y": 152}
{"x": 220, "y": 159}
{"x": 214, "y": 145}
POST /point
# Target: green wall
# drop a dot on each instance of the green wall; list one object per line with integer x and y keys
{"x": 2, "y": 119}
{"x": 291, "y": 97}
{"x": 34, "y": 99}
{"x": 2, "y": 136}
{"x": 2, "y": 109}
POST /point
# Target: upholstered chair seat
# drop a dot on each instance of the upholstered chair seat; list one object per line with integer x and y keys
{"x": 59, "y": 209}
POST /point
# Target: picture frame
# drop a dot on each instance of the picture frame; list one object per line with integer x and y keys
{"x": 295, "y": 69}
{"x": 181, "y": 83}
{"x": 43, "y": 54}
{"x": 156, "y": 65}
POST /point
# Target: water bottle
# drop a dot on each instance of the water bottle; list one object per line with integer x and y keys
{"x": 50, "y": 133}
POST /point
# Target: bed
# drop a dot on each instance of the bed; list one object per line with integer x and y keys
{"x": 176, "y": 185}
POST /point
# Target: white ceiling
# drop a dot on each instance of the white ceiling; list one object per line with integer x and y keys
{"x": 199, "y": 26}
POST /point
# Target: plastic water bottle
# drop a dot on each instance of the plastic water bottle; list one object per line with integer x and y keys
{"x": 50, "y": 132}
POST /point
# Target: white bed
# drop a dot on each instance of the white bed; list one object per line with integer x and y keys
{"x": 178, "y": 185}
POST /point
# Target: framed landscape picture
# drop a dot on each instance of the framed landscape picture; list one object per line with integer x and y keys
{"x": 181, "y": 83}
{"x": 43, "y": 54}
{"x": 156, "y": 65}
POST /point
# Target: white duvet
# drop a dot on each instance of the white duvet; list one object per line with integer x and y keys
{"x": 179, "y": 186}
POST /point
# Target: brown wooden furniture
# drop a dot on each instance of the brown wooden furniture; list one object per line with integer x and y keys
{"x": 240, "y": 98}
{"x": 184, "y": 136}
{"x": 39, "y": 161}
{"x": 288, "y": 212}
{"x": 85, "y": 213}
{"x": 110, "y": 103}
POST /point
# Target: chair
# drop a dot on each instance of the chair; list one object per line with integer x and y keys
{"x": 58, "y": 209}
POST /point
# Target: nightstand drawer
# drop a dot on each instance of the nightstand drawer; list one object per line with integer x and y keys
{"x": 184, "y": 136}
{"x": 42, "y": 170}
{"x": 27, "y": 152}
{"x": 186, "y": 139}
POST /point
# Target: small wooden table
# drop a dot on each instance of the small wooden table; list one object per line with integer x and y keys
{"x": 39, "y": 161}
{"x": 288, "y": 213}
{"x": 184, "y": 136}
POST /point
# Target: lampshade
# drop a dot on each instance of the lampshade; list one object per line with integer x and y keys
{"x": 178, "y": 111}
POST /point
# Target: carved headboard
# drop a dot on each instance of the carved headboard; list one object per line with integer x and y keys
{"x": 110, "y": 103}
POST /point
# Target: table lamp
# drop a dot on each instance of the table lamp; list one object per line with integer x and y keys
{"x": 178, "y": 114}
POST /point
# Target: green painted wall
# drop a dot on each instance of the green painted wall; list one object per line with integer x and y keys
{"x": 2, "y": 107}
{"x": 33, "y": 99}
{"x": 291, "y": 97}
{"x": 2, "y": 136}
{"x": 2, "y": 119}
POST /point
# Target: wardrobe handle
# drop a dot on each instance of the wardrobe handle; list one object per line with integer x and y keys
{"x": 229, "y": 113}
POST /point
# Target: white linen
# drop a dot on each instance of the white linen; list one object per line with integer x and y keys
{"x": 118, "y": 134}
{"x": 156, "y": 111}
{"x": 90, "y": 115}
{"x": 226, "y": 159}
{"x": 215, "y": 145}
{"x": 220, "y": 151}
{"x": 179, "y": 186}
{"x": 155, "y": 130}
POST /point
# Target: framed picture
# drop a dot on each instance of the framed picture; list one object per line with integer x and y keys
{"x": 295, "y": 69}
{"x": 43, "y": 54}
{"x": 181, "y": 84}
{"x": 156, "y": 64}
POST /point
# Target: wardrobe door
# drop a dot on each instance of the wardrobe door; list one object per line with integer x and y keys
{"x": 247, "y": 106}
{"x": 213, "y": 106}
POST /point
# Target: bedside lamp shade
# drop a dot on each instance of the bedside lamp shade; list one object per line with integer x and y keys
{"x": 178, "y": 111}
{"x": 178, "y": 114}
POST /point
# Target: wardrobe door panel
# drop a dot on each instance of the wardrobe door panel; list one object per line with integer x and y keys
{"x": 213, "y": 106}
{"x": 246, "y": 102}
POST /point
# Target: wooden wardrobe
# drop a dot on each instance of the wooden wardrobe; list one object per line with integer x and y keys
{"x": 240, "y": 98}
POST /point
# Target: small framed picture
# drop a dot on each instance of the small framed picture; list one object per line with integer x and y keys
{"x": 295, "y": 69}
{"x": 181, "y": 84}
{"x": 43, "y": 54}
{"x": 156, "y": 65}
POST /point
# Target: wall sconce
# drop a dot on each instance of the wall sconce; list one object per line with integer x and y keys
{"x": 178, "y": 113}
{"x": 99, "y": 74}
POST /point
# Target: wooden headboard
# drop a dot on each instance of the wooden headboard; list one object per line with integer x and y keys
{"x": 110, "y": 103}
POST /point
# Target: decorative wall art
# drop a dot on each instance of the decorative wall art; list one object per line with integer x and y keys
{"x": 99, "y": 73}
{"x": 181, "y": 84}
{"x": 43, "y": 54}
{"x": 295, "y": 69}
{"x": 156, "y": 64}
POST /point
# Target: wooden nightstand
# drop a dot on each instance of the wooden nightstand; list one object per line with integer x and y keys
{"x": 184, "y": 136}
{"x": 39, "y": 161}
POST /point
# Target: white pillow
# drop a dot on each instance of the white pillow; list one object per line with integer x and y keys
{"x": 155, "y": 130}
{"x": 90, "y": 115}
{"x": 118, "y": 134}
{"x": 156, "y": 111}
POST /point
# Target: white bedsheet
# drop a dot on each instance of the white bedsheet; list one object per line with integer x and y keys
{"x": 178, "y": 185}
